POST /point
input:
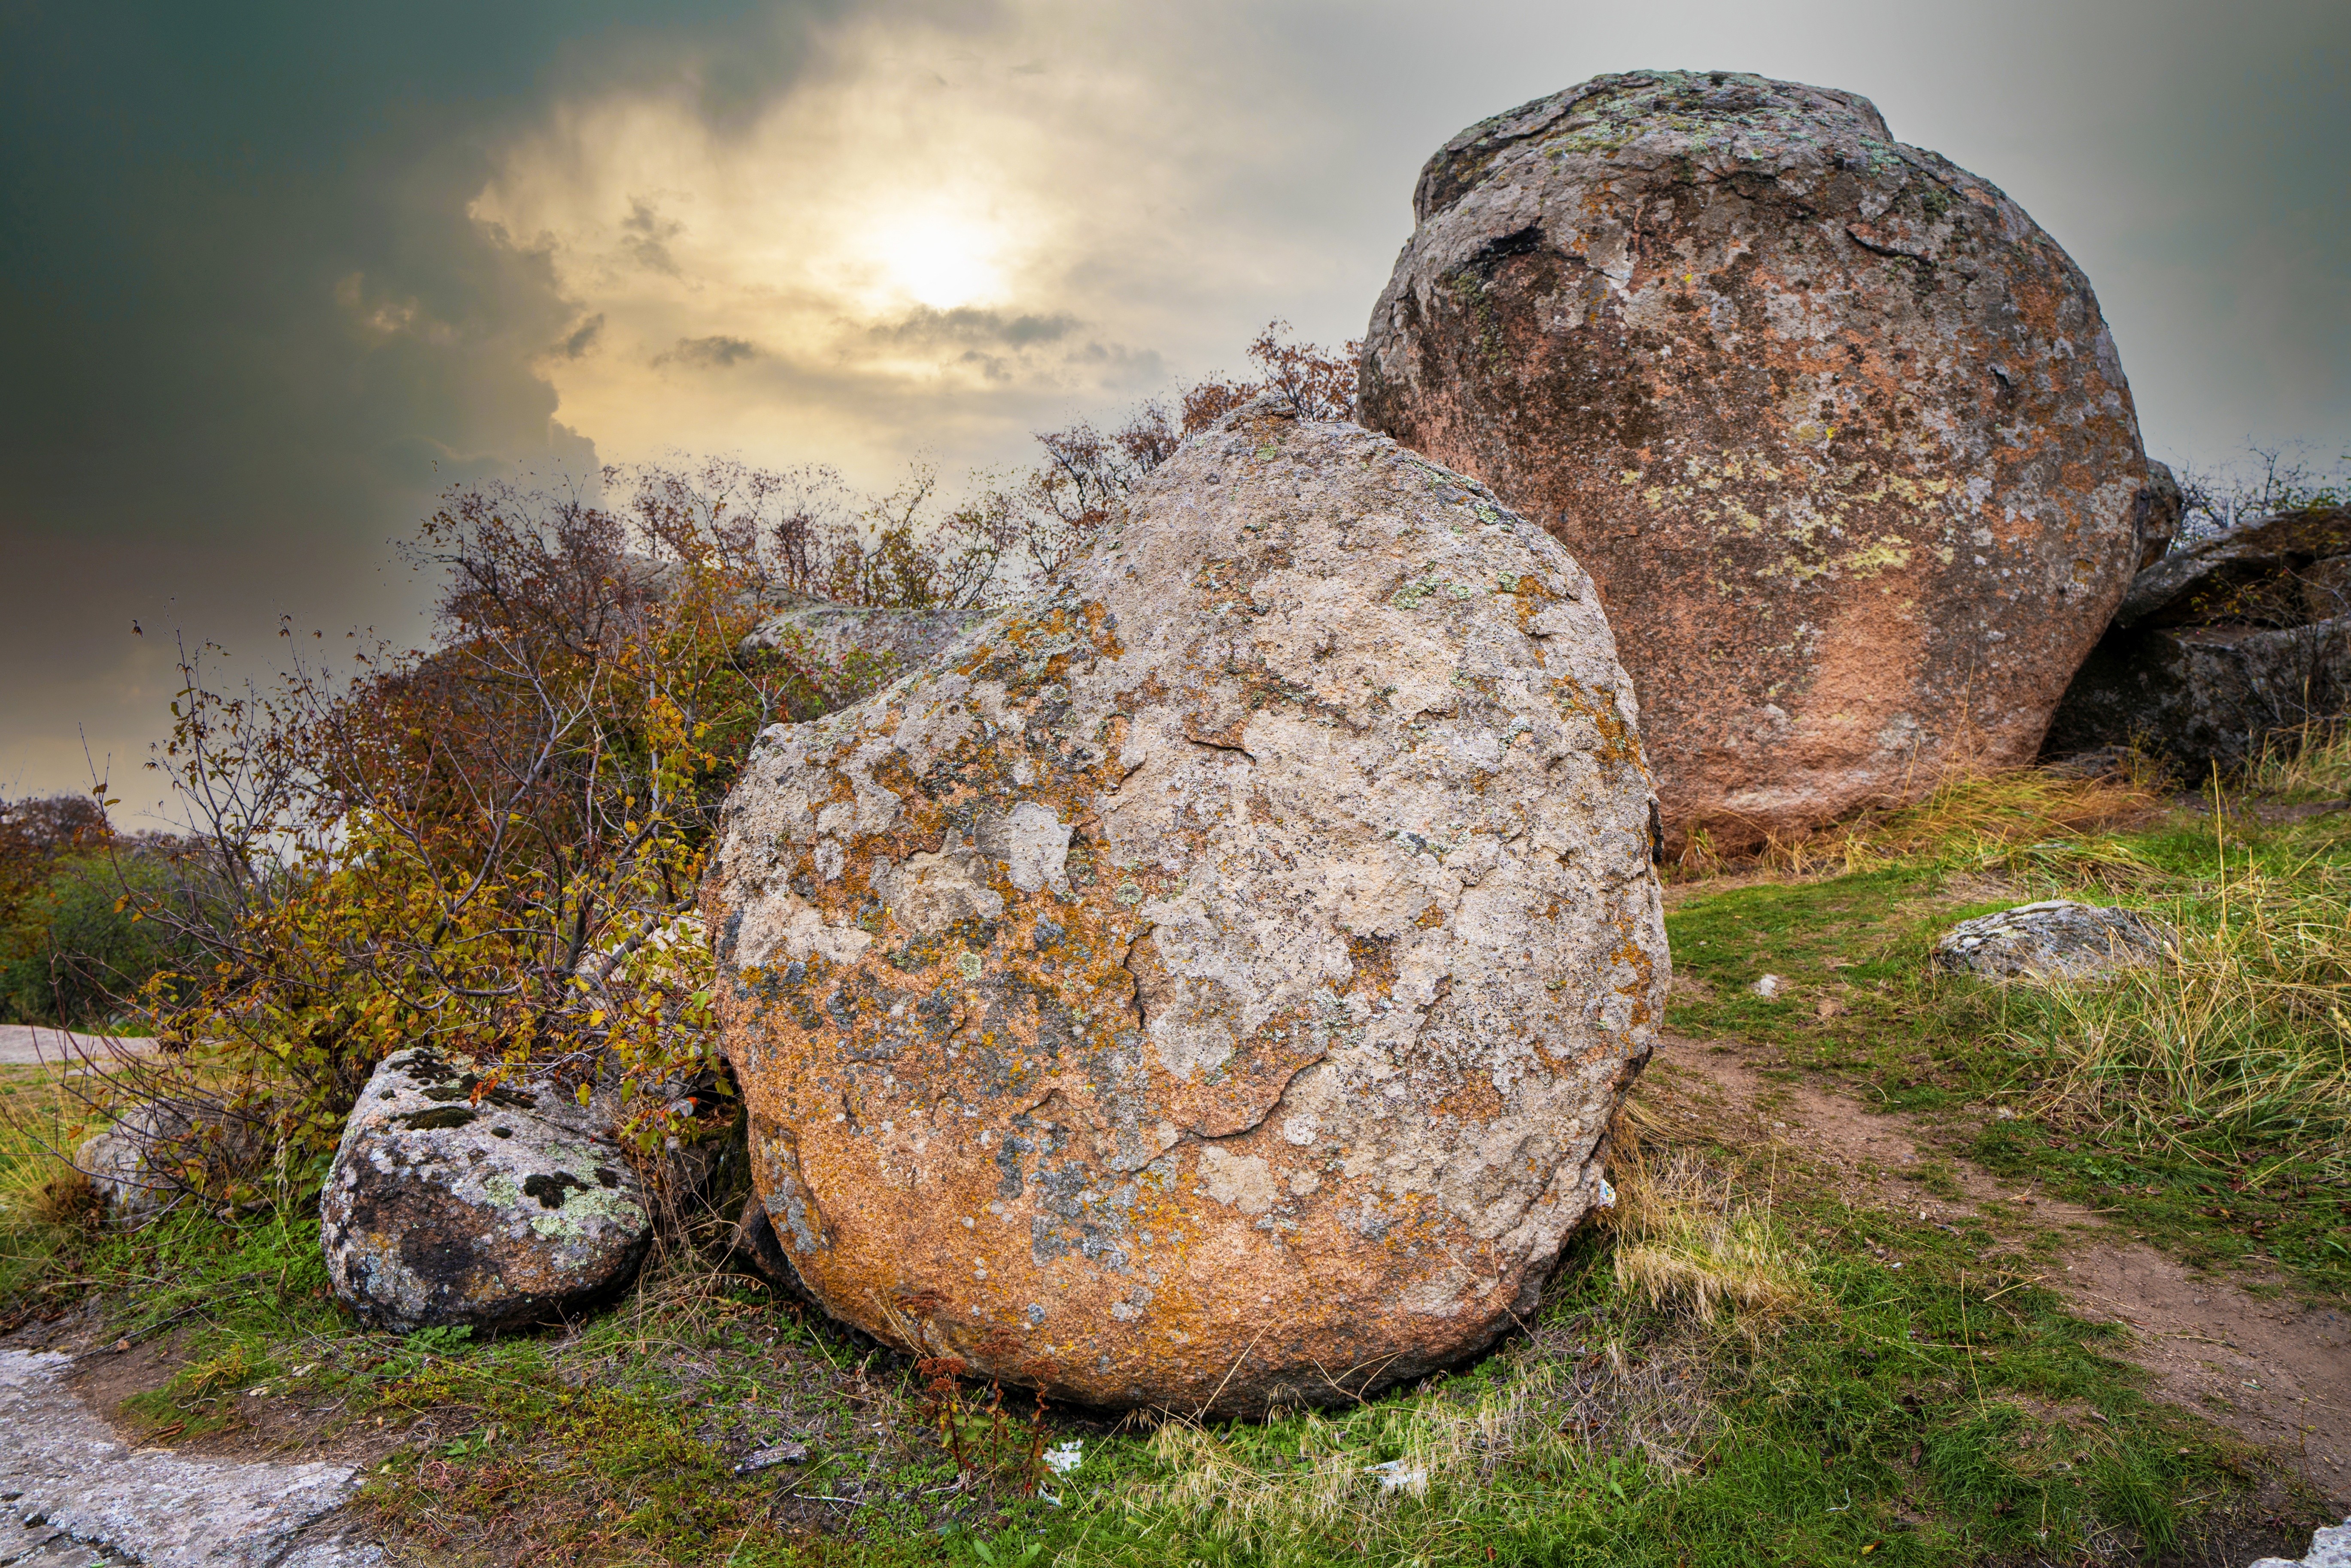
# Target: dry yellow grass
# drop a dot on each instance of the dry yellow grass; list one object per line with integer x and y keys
{"x": 2247, "y": 1024}
{"x": 1686, "y": 1239}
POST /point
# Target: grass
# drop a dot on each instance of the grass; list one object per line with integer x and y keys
{"x": 2208, "y": 1100}
{"x": 1738, "y": 1367}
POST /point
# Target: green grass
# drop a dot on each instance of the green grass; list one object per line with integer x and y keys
{"x": 2207, "y": 1103}
{"x": 1738, "y": 1369}
{"x": 1904, "y": 1405}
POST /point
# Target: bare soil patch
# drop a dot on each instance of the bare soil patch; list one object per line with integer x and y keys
{"x": 2274, "y": 1371}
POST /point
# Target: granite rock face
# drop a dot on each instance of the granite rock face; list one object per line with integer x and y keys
{"x": 1837, "y": 429}
{"x": 2218, "y": 646}
{"x": 78, "y": 1495}
{"x": 2054, "y": 939}
{"x": 1208, "y": 986}
{"x": 496, "y": 1208}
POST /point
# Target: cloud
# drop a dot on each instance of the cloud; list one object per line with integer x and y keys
{"x": 646, "y": 236}
{"x": 969, "y": 324}
{"x": 582, "y": 338}
{"x": 710, "y": 353}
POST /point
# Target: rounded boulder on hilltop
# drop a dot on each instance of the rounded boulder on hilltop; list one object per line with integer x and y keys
{"x": 1209, "y": 985}
{"x": 1838, "y": 430}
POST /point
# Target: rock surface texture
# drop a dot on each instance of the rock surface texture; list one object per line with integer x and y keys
{"x": 2220, "y": 644}
{"x": 85, "y": 1496}
{"x": 2328, "y": 1549}
{"x": 1206, "y": 985}
{"x": 2057, "y": 939}
{"x": 1837, "y": 429}
{"x": 449, "y": 1203}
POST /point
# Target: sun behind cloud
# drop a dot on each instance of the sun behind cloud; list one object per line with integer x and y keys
{"x": 939, "y": 257}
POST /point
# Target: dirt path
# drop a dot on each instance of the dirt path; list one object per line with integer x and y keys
{"x": 2274, "y": 1371}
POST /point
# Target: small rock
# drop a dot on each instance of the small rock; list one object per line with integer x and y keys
{"x": 2056, "y": 940}
{"x": 451, "y": 1204}
{"x": 122, "y": 1160}
{"x": 2329, "y": 1548}
{"x": 774, "y": 1454}
{"x": 1768, "y": 987}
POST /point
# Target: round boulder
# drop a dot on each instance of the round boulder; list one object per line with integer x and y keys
{"x": 1208, "y": 985}
{"x": 494, "y": 1208}
{"x": 1838, "y": 430}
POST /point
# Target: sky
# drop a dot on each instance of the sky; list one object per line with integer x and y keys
{"x": 273, "y": 275}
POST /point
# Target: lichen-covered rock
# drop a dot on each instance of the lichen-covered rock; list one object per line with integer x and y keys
{"x": 2056, "y": 940}
{"x": 1837, "y": 429}
{"x": 1208, "y": 986}
{"x": 451, "y": 1204}
{"x": 2218, "y": 646}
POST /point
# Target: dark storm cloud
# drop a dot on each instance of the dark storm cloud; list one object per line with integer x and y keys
{"x": 249, "y": 328}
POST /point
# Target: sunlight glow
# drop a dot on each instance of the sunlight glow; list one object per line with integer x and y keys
{"x": 937, "y": 258}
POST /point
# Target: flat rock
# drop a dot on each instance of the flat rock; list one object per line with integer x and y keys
{"x": 85, "y": 1495}
{"x": 1208, "y": 986}
{"x": 2277, "y": 570}
{"x": 452, "y": 1203}
{"x": 2054, "y": 939}
{"x": 1839, "y": 430}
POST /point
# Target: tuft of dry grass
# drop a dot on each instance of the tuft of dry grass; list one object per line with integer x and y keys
{"x": 1985, "y": 816}
{"x": 2310, "y": 763}
{"x": 1686, "y": 1240}
{"x": 1967, "y": 815}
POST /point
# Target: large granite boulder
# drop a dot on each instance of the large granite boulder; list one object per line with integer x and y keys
{"x": 1837, "y": 429}
{"x": 455, "y": 1201}
{"x": 1209, "y": 985}
{"x": 2218, "y": 646}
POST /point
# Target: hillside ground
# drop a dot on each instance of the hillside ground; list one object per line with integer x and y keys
{"x": 1904, "y": 1270}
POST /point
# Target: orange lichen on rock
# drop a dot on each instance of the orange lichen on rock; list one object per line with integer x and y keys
{"x": 1838, "y": 430}
{"x": 1207, "y": 987}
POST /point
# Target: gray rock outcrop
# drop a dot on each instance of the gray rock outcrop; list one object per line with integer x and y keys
{"x": 2056, "y": 940}
{"x": 1838, "y": 430}
{"x": 2329, "y": 1548}
{"x": 155, "y": 1153}
{"x": 2218, "y": 646}
{"x": 494, "y": 1208}
{"x": 1208, "y": 986}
